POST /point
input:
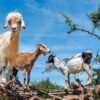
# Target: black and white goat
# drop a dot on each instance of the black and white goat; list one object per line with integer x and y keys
{"x": 72, "y": 65}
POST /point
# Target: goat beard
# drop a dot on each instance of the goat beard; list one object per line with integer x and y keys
{"x": 45, "y": 54}
{"x": 48, "y": 68}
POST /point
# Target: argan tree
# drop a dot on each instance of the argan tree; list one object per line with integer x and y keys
{"x": 94, "y": 17}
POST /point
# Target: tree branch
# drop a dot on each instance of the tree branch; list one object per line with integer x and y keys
{"x": 83, "y": 30}
{"x": 95, "y": 19}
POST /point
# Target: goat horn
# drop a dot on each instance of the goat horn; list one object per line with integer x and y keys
{"x": 53, "y": 53}
{"x": 38, "y": 45}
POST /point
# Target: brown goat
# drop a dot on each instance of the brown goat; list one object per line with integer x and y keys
{"x": 25, "y": 61}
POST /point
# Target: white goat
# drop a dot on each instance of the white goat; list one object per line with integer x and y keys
{"x": 9, "y": 41}
{"x": 72, "y": 65}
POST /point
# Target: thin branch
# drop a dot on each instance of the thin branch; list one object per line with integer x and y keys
{"x": 83, "y": 30}
{"x": 73, "y": 26}
{"x": 93, "y": 30}
{"x": 95, "y": 35}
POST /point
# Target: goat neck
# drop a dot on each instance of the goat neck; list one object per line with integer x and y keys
{"x": 15, "y": 35}
{"x": 13, "y": 46}
{"x": 35, "y": 55}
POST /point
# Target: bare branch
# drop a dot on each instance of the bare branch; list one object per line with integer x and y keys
{"x": 94, "y": 18}
{"x": 83, "y": 30}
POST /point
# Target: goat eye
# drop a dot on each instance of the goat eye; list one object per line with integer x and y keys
{"x": 9, "y": 21}
{"x": 19, "y": 21}
{"x": 43, "y": 47}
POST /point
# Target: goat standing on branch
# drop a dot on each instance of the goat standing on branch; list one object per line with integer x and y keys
{"x": 25, "y": 61}
{"x": 72, "y": 65}
{"x": 9, "y": 41}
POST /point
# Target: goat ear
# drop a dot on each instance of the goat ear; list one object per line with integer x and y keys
{"x": 23, "y": 24}
{"x": 40, "y": 48}
{"x": 6, "y": 25}
{"x": 39, "y": 44}
{"x": 53, "y": 54}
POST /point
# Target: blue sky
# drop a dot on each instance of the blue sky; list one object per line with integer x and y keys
{"x": 44, "y": 24}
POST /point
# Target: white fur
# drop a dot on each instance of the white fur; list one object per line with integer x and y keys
{"x": 9, "y": 42}
{"x": 3, "y": 81}
{"x": 74, "y": 65}
{"x": 11, "y": 15}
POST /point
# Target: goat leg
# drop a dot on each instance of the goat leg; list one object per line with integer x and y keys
{"x": 88, "y": 71}
{"x": 28, "y": 81}
{"x": 66, "y": 81}
{"x": 24, "y": 74}
{"x": 3, "y": 75}
{"x": 10, "y": 71}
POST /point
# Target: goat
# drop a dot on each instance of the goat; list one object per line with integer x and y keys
{"x": 71, "y": 65}
{"x": 9, "y": 41}
{"x": 25, "y": 61}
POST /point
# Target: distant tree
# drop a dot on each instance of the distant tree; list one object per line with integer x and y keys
{"x": 96, "y": 73}
{"x": 94, "y": 17}
{"x": 46, "y": 85}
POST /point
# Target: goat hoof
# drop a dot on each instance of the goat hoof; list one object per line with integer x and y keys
{"x": 66, "y": 91}
{"x": 2, "y": 85}
{"x": 28, "y": 87}
{"x": 3, "y": 81}
{"x": 88, "y": 84}
{"x": 24, "y": 86}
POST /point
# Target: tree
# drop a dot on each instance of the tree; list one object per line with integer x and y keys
{"x": 96, "y": 72}
{"x": 47, "y": 85}
{"x": 96, "y": 76}
{"x": 94, "y": 17}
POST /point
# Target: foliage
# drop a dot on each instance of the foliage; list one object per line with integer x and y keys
{"x": 96, "y": 74}
{"x": 93, "y": 17}
{"x": 4, "y": 98}
{"x": 97, "y": 58}
{"x": 70, "y": 23}
{"x": 46, "y": 85}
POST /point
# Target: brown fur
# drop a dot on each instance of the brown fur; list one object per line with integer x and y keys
{"x": 13, "y": 47}
{"x": 9, "y": 41}
{"x": 25, "y": 61}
